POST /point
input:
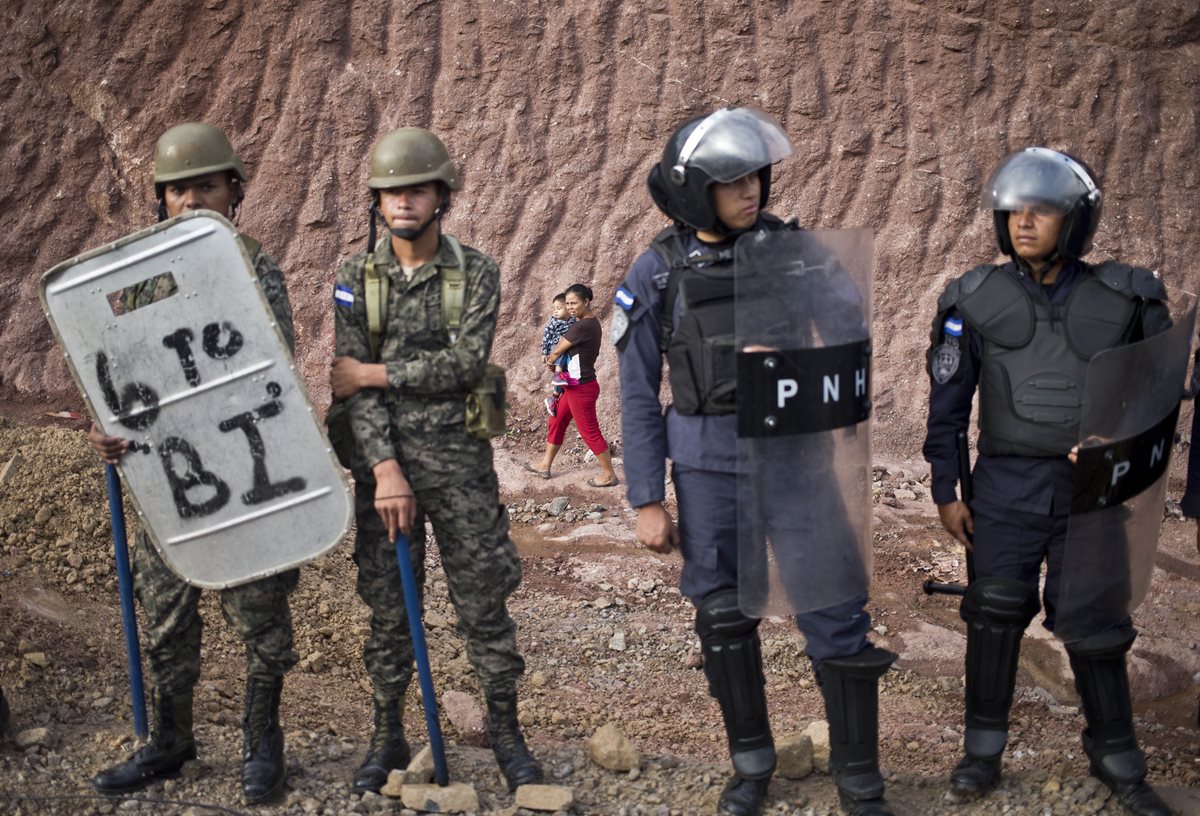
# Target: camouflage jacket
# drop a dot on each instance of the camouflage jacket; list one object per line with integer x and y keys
{"x": 270, "y": 278}
{"x": 420, "y": 418}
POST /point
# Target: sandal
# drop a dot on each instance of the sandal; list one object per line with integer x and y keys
{"x": 545, "y": 474}
{"x": 610, "y": 483}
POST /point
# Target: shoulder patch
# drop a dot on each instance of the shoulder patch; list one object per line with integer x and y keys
{"x": 624, "y": 298}
{"x": 343, "y": 296}
{"x": 953, "y": 326}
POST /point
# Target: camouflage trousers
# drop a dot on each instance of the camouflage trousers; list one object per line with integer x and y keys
{"x": 482, "y": 570}
{"x": 257, "y": 611}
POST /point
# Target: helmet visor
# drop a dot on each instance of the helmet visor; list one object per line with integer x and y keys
{"x": 1040, "y": 180}
{"x": 732, "y": 142}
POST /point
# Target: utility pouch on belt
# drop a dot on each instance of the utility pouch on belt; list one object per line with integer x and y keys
{"x": 486, "y": 402}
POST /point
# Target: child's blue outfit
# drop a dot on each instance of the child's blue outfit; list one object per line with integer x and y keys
{"x": 554, "y": 331}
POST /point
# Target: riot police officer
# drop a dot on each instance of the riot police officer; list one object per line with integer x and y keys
{"x": 195, "y": 167}
{"x": 1023, "y": 333}
{"x": 713, "y": 182}
{"x": 407, "y": 359}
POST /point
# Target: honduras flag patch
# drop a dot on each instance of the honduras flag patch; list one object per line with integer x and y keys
{"x": 624, "y": 298}
{"x": 343, "y": 295}
{"x": 953, "y": 326}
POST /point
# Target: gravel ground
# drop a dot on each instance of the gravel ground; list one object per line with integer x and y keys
{"x": 607, "y": 638}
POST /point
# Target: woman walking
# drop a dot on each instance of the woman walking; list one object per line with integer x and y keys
{"x": 578, "y": 402}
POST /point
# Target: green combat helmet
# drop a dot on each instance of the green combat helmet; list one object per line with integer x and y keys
{"x": 194, "y": 149}
{"x": 410, "y": 156}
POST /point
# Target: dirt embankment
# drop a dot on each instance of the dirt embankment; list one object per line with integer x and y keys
{"x": 555, "y": 112}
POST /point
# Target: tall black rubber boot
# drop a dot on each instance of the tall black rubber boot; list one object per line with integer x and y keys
{"x": 171, "y": 744}
{"x": 1102, "y": 681}
{"x": 508, "y": 743}
{"x": 389, "y": 750}
{"x": 851, "y": 689}
{"x": 263, "y": 766}
{"x": 733, "y": 665}
{"x": 3, "y": 714}
{"x": 997, "y": 612}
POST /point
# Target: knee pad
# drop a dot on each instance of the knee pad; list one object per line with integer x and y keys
{"x": 719, "y": 618}
{"x": 1001, "y": 601}
{"x": 1104, "y": 645}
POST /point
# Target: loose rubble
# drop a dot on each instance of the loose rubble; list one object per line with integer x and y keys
{"x": 607, "y": 638}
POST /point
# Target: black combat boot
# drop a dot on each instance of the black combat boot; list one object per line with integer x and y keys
{"x": 3, "y": 714}
{"x": 388, "y": 751}
{"x": 850, "y": 686}
{"x": 1103, "y": 685}
{"x": 263, "y": 765}
{"x": 516, "y": 763}
{"x": 742, "y": 796}
{"x": 171, "y": 744}
{"x": 997, "y": 611}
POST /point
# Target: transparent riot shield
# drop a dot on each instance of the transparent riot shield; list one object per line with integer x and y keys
{"x": 230, "y": 472}
{"x": 1127, "y": 429}
{"x": 803, "y": 334}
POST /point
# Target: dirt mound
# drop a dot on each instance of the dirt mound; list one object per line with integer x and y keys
{"x": 556, "y": 111}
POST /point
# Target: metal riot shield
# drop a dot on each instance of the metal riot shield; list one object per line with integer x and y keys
{"x": 803, "y": 335}
{"x": 231, "y": 475}
{"x": 1130, "y": 408}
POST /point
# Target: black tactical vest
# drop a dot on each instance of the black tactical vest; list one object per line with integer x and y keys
{"x": 1035, "y": 355}
{"x": 700, "y": 346}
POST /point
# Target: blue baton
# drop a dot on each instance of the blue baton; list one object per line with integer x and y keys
{"x": 116, "y": 508}
{"x": 408, "y": 581}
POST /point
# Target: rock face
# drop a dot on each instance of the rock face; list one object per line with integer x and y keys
{"x": 555, "y": 112}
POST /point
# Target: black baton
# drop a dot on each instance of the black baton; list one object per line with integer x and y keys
{"x": 968, "y": 494}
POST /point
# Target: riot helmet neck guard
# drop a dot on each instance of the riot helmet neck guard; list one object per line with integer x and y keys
{"x": 1045, "y": 181}
{"x": 720, "y": 147}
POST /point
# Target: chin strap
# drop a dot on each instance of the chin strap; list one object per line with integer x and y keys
{"x": 403, "y": 234}
{"x": 725, "y": 232}
{"x": 1040, "y": 272}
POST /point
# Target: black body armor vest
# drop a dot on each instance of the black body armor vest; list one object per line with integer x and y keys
{"x": 1035, "y": 355}
{"x": 700, "y": 347}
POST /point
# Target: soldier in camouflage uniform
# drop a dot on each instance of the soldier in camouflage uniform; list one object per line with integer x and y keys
{"x": 415, "y": 458}
{"x": 196, "y": 168}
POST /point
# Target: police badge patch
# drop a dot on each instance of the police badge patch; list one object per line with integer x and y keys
{"x": 625, "y": 301}
{"x": 945, "y": 362}
{"x": 620, "y": 325}
{"x": 947, "y": 356}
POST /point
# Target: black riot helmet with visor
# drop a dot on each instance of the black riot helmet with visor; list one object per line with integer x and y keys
{"x": 1048, "y": 182}
{"x": 721, "y": 147}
